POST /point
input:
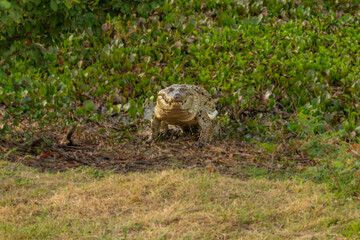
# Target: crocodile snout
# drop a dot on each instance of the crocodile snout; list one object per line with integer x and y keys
{"x": 178, "y": 97}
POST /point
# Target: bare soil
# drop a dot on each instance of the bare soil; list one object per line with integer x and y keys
{"x": 124, "y": 149}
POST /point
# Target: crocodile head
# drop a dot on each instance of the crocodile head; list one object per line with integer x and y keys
{"x": 176, "y": 97}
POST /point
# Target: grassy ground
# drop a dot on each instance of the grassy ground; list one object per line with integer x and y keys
{"x": 170, "y": 204}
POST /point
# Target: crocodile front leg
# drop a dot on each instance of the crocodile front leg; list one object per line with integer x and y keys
{"x": 155, "y": 129}
{"x": 206, "y": 128}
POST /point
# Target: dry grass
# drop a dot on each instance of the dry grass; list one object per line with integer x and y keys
{"x": 170, "y": 204}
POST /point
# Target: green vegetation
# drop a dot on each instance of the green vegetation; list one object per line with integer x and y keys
{"x": 300, "y": 55}
{"x": 281, "y": 71}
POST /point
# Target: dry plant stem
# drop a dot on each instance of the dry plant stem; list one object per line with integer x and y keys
{"x": 5, "y": 156}
{"x": 272, "y": 161}
{"x": 272, "y": 165}
{"x": 66, "y": 156}
{"x": 18, "y": 162}
{"x": 69, "y": 135}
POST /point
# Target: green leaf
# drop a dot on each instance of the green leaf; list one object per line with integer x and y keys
{"x": 53, "y": 5}
{"x": 133, "y": 108}
{"x": 107, "y": 49}
{"x": 90, "y": 19}
{"x": 5, "y": 4}
{"x": 88, "y": 105}
{"x": 68, "y": 3}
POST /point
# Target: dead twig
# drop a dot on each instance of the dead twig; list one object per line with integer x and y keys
{"x": 69, "y": 135}
{"x": 30, "y": 143}
{"x": 67, "y": 156}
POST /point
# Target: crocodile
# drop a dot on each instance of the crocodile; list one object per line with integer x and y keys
{"x": 187, "y": 106}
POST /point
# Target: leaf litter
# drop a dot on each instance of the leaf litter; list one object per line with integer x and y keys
{"x": 124, "y": 149}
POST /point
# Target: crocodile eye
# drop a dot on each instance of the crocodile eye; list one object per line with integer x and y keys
{"x": 162, "y": 100}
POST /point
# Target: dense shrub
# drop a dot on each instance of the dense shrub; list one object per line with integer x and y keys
{"x": 253, "y": 55}
{"x": 27, "y": 24}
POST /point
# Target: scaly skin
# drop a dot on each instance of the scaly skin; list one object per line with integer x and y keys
{"x": 185, "y": 105}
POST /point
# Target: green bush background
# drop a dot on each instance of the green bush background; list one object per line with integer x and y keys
{"x": 57, "y": 60}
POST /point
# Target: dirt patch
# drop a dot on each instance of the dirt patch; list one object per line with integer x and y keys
{"x": 124, "y": 149}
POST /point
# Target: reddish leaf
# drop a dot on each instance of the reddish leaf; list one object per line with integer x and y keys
{"x": 61, "y": 62}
